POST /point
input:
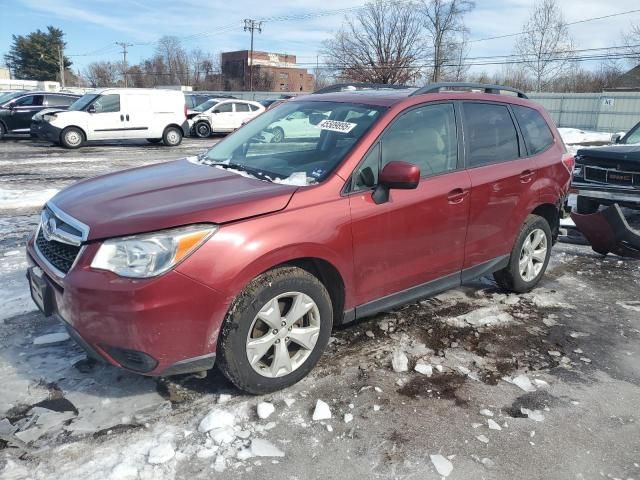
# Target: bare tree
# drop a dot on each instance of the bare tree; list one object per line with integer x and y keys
{"x": 378, "y": 44}
{"x": 632, "y": 42}
{"x": 175, "y": 58}
{"x": 102, "y": 74}
{"x": 546, "y": 46}
{"x": 444, "y": 22}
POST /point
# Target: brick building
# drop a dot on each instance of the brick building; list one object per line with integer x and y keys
{"x": 274, "y": 72}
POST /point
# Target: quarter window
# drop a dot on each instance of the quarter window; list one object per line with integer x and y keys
{"x": 242, "y": 107}
{"x": 490, "y": 134}
{"x": 535, "y": 130}
{"x": 366, "y": 175}
{"x": 107, "y": 104}
{"x": 425, "y": 136}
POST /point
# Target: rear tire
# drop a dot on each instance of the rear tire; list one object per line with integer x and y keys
{"x": 202, "y": 129}
{"x": 251, "y": 331}
{"x": 71, "y": 137}
{"x": 172, "y": 136}
{"x": 154, "y": 140}
{"x": 529, "y": 258}
{"x": 586, "y": 206}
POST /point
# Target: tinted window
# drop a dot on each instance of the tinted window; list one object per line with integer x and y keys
{"x": 366, "y": 175}
{"x": 633, "y": 137}
{"x": 425, "y": 136}
{"x": 253, "y": 108}
{"x": 107, "y": 103}
{"x": 59, "y": 100}
{"x": 490, "y": 134}
{"x": 30, "y": 101}
{"x": 242, "y": 107}
{"x": 535, "y": 130}
{"x": 224, "y": 108}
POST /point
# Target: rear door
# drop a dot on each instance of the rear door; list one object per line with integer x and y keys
{"x": 418, "y": 236}
{"x": 501, "y": 180}
{"x": 19, "y": 119}
{"x": 241, "y": 112}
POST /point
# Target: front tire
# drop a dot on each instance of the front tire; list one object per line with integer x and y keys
{"x": 275, "y": 331}
{"x": 586, "y": 206}
{"x": 3, "y": 132}
{"x": 278, "y": 135}
{"x": 72, "y": 137}
{"x": 529, "y": 257}
{"x": 202, "y": 129}
{"x": 172, "y": 136}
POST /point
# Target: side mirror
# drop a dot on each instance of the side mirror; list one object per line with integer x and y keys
{"x": 398, "y": 175}
{"x": 615, "y": 138}
{"x": 11, "y": 106}
{"x": 215, "y": 111}
{"x": 91, "y": 109}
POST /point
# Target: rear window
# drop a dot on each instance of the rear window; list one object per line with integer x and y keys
{"x": 535, "y": 130}
{"x": 242, "y": 107}
{"x": 490, "y": 134}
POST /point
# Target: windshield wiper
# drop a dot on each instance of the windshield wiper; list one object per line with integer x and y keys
{"x": 238, "y": 166}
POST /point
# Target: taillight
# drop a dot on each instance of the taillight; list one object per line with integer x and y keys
{"x": 569, "y": 161}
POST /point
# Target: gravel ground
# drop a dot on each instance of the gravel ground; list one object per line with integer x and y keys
{"x": 556, "y": 371}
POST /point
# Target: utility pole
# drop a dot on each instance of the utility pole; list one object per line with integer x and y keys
{"x": 124, "y": 46}
{"x": 251, "y": 25}
{"x": 61, "y": 64}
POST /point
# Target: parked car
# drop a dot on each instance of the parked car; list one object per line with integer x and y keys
{"x": 224, "y": 116}
{"x": 608, "y": 175}
{"x": 247, "y": 256}
{"x": 17, "y": 108}
{"x": 198, "y": 98}
{"x": 296, "y": 125}
{"x": 116, "y": 114}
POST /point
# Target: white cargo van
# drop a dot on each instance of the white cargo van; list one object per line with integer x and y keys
{"x": 116, "y": 114}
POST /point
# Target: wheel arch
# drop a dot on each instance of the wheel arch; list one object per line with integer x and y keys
{"x": 551, "y": 213}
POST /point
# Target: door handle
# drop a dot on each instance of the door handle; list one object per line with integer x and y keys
{"x": 121, "y": 118}
{"x": 127, "y": 117}
{"x": 527, "y": 176}
{"x": 457, "y": 195}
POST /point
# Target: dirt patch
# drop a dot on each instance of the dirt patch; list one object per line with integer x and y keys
{"x": 441, "y": 387}
{"x": 538, "y": 400}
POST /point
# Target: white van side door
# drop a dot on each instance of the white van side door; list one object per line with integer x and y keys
{"x": 105, "y": 120}
{"x": 138, "y": 116}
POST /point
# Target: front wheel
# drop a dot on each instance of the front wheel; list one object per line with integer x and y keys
{"x": 2, "y": 131}
{"x": 275, "y": 331}
{"x": 172, "y": 136}
{"x": 72, "y": 137}
{"x": 278, "y": 135}
{"x": 529, "y": 257}
{"x": 202, "y": 129}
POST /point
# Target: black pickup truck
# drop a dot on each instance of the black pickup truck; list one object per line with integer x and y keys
{"x": 608, "y": 175}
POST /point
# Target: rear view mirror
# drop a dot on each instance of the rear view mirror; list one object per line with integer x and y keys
{"x": 398, "y": 175}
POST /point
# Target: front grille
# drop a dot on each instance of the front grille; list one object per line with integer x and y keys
{"x": 595, "y": 175}
{"x": 60, "y": 255}
{"x": 612, "y": 176}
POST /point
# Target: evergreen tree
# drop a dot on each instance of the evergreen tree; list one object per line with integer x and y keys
{"x": 35, "y": 56}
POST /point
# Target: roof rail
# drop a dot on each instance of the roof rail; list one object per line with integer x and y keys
{"x": 339, "y": 87}
{"x": 495, "y": 89}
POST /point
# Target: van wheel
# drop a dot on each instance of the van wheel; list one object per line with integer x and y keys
{"x": 172, "y": 136}
{"x": 586, "y": 206}
{"x": 202, "y": 129}
{"x": 529, "y": 257}
{"x": 154, "y": 140}
{"x": 72, "y": 137}
{"x": 275, "y": 331}
{"x": 2, "y": 131}
{"x": 278, "y": 135}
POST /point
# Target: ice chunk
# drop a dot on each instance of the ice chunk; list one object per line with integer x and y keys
{"x": 486, "y": 412}
{"x": 207, "y": 452}
{"x": 535, "y": 415}
{"x": 289, "y": 401}
{"x": 399, "y": 361}
{"x": 348, "y": 417}
{"x": 493, "y": 425}
{"x": 222, "y": 435}
{"x": 443, "y": 466}
{"x": 161, "y": 454}
{"x": 524, "y": 383}
{"x": 51, "y": 338}
{"x": 216, "y": 419}
{"x": 322, "y": 411}
{"x": 264, "y": 448}
{"x": 424, "y": 369}
{"x": 483, "y": 438}
{"x": 124, "y": 471}
{"x": 265, "y": 409}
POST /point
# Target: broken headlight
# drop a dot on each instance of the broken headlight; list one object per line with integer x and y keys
{"x": 150, "y": 254}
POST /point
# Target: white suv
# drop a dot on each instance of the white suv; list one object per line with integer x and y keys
{"x": 222, "y": 116}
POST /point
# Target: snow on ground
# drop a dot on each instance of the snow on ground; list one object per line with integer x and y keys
{"x": 15, "y": 198}
{"x": 14, "y": 293}
{"x": 572, "y": 136}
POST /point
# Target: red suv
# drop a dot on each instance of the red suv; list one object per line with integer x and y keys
{"x": 248, "y": 255}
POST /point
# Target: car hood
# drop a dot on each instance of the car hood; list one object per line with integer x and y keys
{"x": 168, "y": 195}
{"x": 626, "y": 156}
{"x": 41, "y": 113}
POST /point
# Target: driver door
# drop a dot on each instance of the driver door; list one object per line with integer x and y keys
{"x": 415, "y": 240}
{"x": 106, "y": 121}
{"x": 223, "y": 117}
{"x": 23, "y": 109}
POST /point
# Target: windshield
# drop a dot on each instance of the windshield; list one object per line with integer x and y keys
{"x": 206, "y": 105}
{"x": 297, "y": 142}
{"x": 82, "y": 102}
{"x": 5, "y": 97}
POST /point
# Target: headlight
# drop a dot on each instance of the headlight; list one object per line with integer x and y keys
{"x": 577, "y": 171}
{"x": 48, "y": 117}
{"x": 150, "y": 254}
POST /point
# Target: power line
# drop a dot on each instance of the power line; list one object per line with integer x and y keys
{"x": 124, "y": 46}
{"x": 251, "y": 25}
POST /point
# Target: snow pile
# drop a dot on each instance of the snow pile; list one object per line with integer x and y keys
{"x": 265, "y": 409}
{"x": 442, "y": 465}
{"x": 322, "y": 411}
{"x": 14, "y": 294}
{"x": 572, "y": 136}
{"x": 481, "y": 317}
{"x": 14, "y": 199}
{"x": 399, "y": 361}
{"x": 298, "y": 179}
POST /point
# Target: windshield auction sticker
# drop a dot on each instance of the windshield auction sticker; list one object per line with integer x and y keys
{"x": 336, "y": 126}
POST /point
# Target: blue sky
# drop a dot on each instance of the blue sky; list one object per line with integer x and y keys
{"x": 92, "y": 26}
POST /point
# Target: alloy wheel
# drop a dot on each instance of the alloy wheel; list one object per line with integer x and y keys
{"x": 533, "y": 255}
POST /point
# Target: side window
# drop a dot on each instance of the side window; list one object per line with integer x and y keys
{"x": 366, "y": 175}
{"x": 242, "y": 107}
{"x": 634, "y": 137}
{"x": 107, "y": 103}
{"x": 490, "y": 134}
{"x": 59, "y": 100}
{"x": 30, "y": 101}
{"x": 253, "y": 108}
{"x": 535, "y": 130}
{"x": 425, "y": 136}
{"x": 224, "y": 108}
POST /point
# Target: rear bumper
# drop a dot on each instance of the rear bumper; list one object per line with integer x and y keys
{"x": 162, "y": 326}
